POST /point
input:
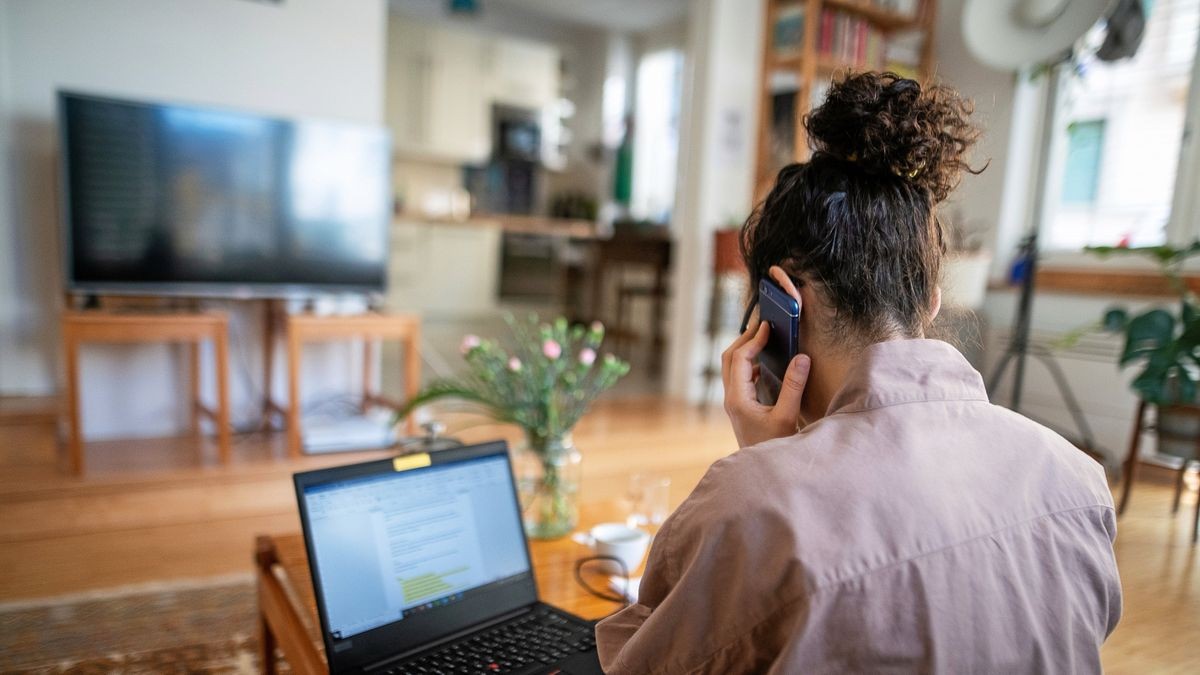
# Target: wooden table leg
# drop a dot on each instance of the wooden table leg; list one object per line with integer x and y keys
{"x": 74, "y": 441}
{"x": 293, "y": 416}
{"x": 367, "y": 354}
{"x": 266, "y": 647}
{"x": 221, "y": 356}
{"x": 412, "y": 371}
{"x": 268, "y": 403}
{"x": 264, "y": 557}
{"x": 194, "y": 382}
{"x": 658, "y": 339}
{"x": 1131, "y": 460}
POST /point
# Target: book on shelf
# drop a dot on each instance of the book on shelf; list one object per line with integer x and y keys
{"x": 851, "y": 40}
{"x": 788, "y": 31}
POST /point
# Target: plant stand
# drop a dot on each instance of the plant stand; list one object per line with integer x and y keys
{"x": 1132, "y": 460}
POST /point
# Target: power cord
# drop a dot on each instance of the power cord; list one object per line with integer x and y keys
{"x": 603, "y": 595}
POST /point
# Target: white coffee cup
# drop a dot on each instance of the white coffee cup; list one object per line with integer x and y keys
{"x": 618, "y": 540}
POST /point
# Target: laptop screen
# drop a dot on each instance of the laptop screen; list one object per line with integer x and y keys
{"x": 388, "y": 546}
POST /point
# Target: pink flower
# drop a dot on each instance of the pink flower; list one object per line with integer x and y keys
{"x": 514, "y": 364}
{"x": 587, "y": 356}
{"x": 551, "y": 349}
{"x": 469, "y": 342}
{"x": 597, "y": 327}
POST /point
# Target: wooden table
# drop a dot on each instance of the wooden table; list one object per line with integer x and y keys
{"x": 288, "y": 610}
{"x": 188, "y": 327}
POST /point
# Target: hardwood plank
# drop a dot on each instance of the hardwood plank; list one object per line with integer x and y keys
{"x": 76, "y": 563}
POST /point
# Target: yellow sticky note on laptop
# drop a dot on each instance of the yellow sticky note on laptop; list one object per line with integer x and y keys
{"x": 413, "y": 461}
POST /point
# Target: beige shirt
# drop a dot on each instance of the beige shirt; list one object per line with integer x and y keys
{"x": 916, "y": 528}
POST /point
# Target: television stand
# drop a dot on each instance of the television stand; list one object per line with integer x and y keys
{"x": 370, "y": 328}
{"x": 191, "y": 328}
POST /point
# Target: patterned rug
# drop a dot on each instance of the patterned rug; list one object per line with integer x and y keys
{"x": 195, "y": 626}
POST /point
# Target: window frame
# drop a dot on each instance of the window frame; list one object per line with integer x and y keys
{"x": 1183, "y": 221}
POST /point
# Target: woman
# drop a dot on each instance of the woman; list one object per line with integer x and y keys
{"x": 882, "y": 516}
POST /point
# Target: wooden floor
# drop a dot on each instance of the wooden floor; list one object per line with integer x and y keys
{"x": 155, "y": 510}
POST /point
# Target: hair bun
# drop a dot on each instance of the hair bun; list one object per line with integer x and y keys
{"x": 887, "y": 124}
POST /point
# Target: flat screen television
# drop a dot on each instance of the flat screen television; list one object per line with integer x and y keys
{"x": 196, "y": 201}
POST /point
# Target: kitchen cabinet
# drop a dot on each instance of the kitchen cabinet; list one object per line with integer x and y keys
{"x": 444, "y": 269}
{"x": 524, "y": 74}
{"x": 441, "y": 84}
{"x": 436, "y": 93}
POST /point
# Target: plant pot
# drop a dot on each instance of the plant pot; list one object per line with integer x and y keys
{"x": 548, "y": 475}
{"x": 1178, "y": 431}
{"x": 965, "y": 279}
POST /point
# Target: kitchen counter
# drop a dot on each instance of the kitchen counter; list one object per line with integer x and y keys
{"x": 513, "y": 224}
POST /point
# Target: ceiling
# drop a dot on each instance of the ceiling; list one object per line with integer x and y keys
{"x": 622, "y": 15}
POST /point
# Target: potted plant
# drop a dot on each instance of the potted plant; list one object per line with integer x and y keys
{"x": 543, "y": 382}
{"x": 965, "y": 274}
{"x": 1165, "y": 344}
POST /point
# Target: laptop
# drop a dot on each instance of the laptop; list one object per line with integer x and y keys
{"x": 420, "y": 565}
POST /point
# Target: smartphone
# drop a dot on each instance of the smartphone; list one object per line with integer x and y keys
{"x": 782, "y": 312}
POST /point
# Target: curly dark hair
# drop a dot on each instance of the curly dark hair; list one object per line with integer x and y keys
{"x": 858, "y": 218}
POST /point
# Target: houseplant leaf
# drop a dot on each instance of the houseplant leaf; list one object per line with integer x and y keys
{"x": 1151, "y": 383}
{"x": 1115, "y": 319}
{"x": 1147, "y": 333}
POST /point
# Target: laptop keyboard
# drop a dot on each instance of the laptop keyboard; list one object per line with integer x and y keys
{"x": 528, "y": 642}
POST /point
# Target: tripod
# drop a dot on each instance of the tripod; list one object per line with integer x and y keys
{"x": 1019, "y": 347}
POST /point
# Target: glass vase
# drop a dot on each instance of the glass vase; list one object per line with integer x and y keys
{"x": 548, "y": 475}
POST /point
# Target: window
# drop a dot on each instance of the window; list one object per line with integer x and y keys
{"x": 1081, "y": 175}
{"x": 1117, "y": 139}
{"x": 656, "y": 134}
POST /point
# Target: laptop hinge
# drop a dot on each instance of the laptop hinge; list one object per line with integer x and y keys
{"x": 452, "y": 637}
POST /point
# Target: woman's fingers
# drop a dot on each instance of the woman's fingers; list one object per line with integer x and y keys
{"x": 742, "y": 361}
{"x": 791, "y": 390}
{"x": 727, "y": 355}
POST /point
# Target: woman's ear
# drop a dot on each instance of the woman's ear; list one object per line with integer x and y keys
{"x": 785, "y": 282}
{"x": 936, "y": 305}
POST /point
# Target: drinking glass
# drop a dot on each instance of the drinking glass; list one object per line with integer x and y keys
{"x": 649, "y": 495}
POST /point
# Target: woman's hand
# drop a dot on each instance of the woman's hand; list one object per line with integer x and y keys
{"x": 752, "y": 421}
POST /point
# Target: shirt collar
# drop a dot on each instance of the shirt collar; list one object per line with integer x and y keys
{"x": 908, "y": 371}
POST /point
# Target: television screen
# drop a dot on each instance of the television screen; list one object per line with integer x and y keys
{"x": 192, "y": 200}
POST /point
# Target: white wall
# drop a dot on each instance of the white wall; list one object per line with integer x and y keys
{"x": 299, "y": 58}
{"x": 716, "y": 166}
{"x": 979, "y": 199}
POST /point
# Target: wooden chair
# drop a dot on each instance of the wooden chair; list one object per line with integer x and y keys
{"x": 634, "y": 246}
{"x": 1133, "y": 459}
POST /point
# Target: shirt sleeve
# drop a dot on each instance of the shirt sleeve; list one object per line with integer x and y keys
{"x": 710, "y": 558}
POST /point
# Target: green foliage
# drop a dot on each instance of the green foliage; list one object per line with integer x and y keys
{"x": 1163, "y": 343}
{"x": 543, "y": 382}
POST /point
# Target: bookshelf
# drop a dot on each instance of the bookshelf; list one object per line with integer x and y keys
{"x": 810, "y": 42}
